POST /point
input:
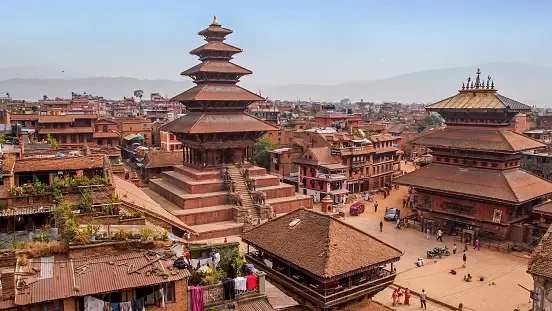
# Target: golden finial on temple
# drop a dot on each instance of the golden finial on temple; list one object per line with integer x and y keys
{"x": 215, "y": 22}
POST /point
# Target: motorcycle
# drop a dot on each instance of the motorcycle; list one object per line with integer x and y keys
{"x": 434, "y": 253}
{"x": 443, "y": 250}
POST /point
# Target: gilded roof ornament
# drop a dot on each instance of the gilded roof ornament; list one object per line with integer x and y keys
{"x": 215, "y": 22}
{"x": 477, "y": 81}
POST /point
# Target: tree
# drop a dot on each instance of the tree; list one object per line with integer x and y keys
{"x": 432, "y": 120}
{"x": 260, "y": 152}
{"x": 407, "y": 149}
{"x": 52, "y": 141}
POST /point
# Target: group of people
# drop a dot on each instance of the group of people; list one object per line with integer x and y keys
{"x": 398, "y": 294}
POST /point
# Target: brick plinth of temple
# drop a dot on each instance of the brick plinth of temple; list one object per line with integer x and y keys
{"x": 199, "y": 198}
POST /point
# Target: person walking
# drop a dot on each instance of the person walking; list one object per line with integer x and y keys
{"x": 427, "y": 234}
{"x": 454, "y": 249}
{"x": 423, "y": 297}
{"x": 464, "y": 258}
{"x": 404, "y": 203}
{"x": 376, "y": 206}
{"x": 381, "y": 226}
{"x": 477, "y": 245}
{"x": 395, "y": 295}
{"x": 407, "y": 297}
{"x": 440, "y": 235}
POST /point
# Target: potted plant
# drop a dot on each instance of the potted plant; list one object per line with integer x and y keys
{"x": 120, "y": 234}
{"x": 93, "y": 228}
{"x": 145, "y": 233}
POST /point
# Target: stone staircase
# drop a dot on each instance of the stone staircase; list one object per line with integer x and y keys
{"x": 241, "y": 188}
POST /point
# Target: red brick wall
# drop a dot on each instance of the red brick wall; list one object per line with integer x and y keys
{"x": 485, "y": 211}
{"x": 279, "y": 193}
{"x": 207, "y": 217}
{"x": 267, "y": 182}
{"x": 219, "y": 233}
{"x": 288, "y": 206}
{"x": 135, "y": 221}
{"x": 180, "y": 299}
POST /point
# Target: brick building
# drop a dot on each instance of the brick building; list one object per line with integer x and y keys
{"x": 142, "y": 126}
{"x": 169, "y": 142}
{"x": 106, "y": 133}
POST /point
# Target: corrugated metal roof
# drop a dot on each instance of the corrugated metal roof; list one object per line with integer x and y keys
{"x": 255, "y": 305}
{"x": 114, "y": 272}
{"x": 58, "y": 277}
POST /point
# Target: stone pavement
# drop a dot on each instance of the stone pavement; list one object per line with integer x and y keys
{"x": 502, "y": 272}
{"x": 384, "y": 297}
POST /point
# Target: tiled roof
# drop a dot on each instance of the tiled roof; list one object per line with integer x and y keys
{"x": 105, "y": 135}
{"x": 156, "y": 158}
{"x": 478, "y": 99}
{"x": 66, "y": 118}
{"x": 137, "y": 199}
{"x": 386, "y": 149}
{"x": 59, "y": 277}
{"x": 55, "y": 164}
{"x": 199, "y": 122}
{"x": 217, "y": 92}
{"x": 543, "y": 208}
{"x": 215, "y": 29}
{"x": 382, "y": 137}
{"x": 396, "y": 128}
{"x": 541, "y": 262}
{"x": 474, "y": 139}
{"x": 513, "y": 186}
{"x": 67, "y": 130}
{"x": 23, "y": 117}
{"x": 319, "y": 156}
{"x": 320, "y": 244}
{"x": 216, "y": 46}
{"x": 217, "y": 66}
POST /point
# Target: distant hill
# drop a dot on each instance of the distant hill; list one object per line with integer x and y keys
{"x": 523, "y": 82}
{"x": 110, "y": 88}
{"x": 529, "y": 84}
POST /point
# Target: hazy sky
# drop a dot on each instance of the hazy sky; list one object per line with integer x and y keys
{"x": 300, "y": 41}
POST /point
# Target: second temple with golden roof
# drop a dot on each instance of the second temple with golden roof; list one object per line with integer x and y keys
{"x": 475, "y": 180}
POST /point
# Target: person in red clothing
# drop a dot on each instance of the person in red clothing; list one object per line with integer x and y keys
{"x": 407, "y": 295}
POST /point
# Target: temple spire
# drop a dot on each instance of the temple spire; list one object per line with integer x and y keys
{"x": 215, "y": 22}
{"x": 477, "y": 81}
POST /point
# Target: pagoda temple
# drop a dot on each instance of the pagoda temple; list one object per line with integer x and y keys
{"x": 217, "y": 191}
{"x": 217, "y": 131}
{"x": 475, "y": 186}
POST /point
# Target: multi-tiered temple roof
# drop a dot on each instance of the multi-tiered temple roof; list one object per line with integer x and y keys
{"x": 477, "y": 155}
{"x": 217, "y": 120}
{"x": 216, "y": 93}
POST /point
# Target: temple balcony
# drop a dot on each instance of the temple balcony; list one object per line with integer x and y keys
{"x": 323, "y": 295}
